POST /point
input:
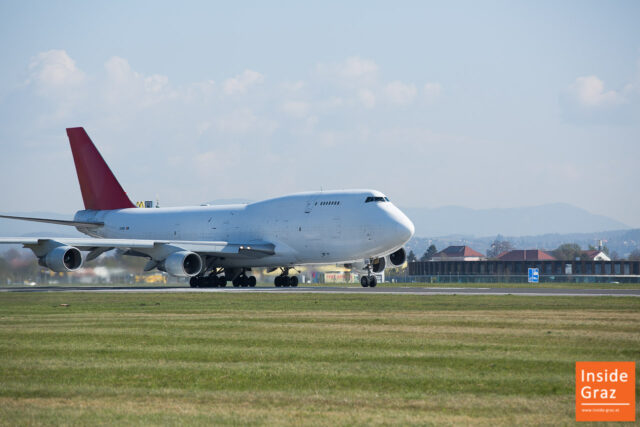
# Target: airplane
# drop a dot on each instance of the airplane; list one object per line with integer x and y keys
{"x": 213, "y": 245}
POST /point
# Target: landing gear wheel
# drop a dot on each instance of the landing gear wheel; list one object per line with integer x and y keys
{"x": 252, "y": 281}
{"x": 244, "y": 281}
{"x": 364, "y": 281}
{"x": 293, "y": 281}
{"x": 222, "y": 281}
{"x": 236, "y": 282}
{"x": 283, "y": 281}
{"x": 193, "y": 282}
{"x": 373, "y": 281}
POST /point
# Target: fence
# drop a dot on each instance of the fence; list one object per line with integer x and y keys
{"x": 494, "y": 271}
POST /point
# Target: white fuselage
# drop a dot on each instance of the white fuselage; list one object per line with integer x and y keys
{"x": 306, "y": 228}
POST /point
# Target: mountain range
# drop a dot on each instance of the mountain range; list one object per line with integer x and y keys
{"x": 559, "y": 218}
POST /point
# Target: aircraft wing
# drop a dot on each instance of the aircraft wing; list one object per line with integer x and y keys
{"x": 156, "y": 249}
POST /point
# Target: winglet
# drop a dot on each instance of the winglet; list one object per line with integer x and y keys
{"x": 100, "y": 188}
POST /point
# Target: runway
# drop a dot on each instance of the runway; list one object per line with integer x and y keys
{"x": 380, "y": 290}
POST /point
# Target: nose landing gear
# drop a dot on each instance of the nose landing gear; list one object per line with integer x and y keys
{"x": 368, "y": 281}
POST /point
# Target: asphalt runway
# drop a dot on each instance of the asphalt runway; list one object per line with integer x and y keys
{"x": 380, "y": 290}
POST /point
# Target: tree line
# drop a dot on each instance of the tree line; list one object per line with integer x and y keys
{"x": 566, "y": 251}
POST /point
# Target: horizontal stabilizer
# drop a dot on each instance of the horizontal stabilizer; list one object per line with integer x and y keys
{"x": 56, "y": 221}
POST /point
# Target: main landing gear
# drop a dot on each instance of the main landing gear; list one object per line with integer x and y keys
{"x": 243, "y": 281}
{"x": 210, "y": 281}
{"x": 284, "y": 280}
{"x": 218, "y": 278}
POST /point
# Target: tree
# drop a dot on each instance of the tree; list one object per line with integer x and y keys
{"x": 634, "y": 255}
{"x": 499, "y": 246}
{"x": 429, "y": 253}
{"x": 411, "y": 257}
{"x": 568, "y": 251}
{"x": 19, "y": 266}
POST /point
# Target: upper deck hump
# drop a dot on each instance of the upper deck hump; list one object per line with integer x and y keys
{"x": 358, "y": 193}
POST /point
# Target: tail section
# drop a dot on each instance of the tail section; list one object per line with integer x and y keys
{"x": 100, "y": 188}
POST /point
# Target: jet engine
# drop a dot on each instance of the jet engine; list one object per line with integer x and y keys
{"x": 182, "y": 264}
{"x": 398, "y": 257}
{"x": 62, "y": 259}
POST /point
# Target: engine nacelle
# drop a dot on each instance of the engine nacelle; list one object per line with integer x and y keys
{"x": 182, "y": 264}
{"x": 398, "y": 257}
{"x": 62, "y": 259}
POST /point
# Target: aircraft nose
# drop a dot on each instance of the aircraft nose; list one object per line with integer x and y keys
{"x": 405, "y": 227}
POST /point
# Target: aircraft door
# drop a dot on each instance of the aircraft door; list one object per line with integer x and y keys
{"x": 308, "y": 228}
{"x": 308, "y": 206}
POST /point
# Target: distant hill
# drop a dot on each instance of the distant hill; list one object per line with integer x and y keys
{"x": 526, "y": 221}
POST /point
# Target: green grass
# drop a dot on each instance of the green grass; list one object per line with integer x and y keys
{"x": 302, "y": 359}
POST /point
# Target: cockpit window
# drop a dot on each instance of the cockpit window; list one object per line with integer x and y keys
{"x": 376, "y": 199}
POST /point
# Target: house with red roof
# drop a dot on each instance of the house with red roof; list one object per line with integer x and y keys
{"x": 525, "y": 255}
{"x": 458, "y": 253}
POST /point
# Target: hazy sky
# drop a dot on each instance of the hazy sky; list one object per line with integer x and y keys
{"x": 477, "y": 104}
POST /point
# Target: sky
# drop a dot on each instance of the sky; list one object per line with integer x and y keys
{"x": 478, "y": 104}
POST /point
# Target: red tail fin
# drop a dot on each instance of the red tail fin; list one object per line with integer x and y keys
{"x": 100, "y": 188}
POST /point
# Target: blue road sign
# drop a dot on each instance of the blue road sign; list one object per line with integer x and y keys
{"x": 534, "y": 275}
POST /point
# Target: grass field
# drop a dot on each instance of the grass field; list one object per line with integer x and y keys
{"x": 302, "y": 359}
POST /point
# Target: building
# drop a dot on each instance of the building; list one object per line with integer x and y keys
{"x": 525, "y": 255}
{"x": 622, "y": 271}
{"x": 458, "y": 253}
{"x": 338, "y": 277}
{"x": 595, "y": 255}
